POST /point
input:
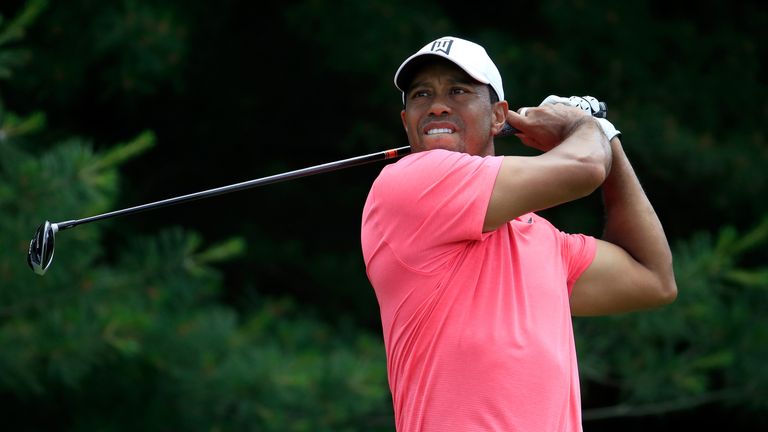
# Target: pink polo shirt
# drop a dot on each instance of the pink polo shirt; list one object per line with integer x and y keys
{"x": 477, "y": 326}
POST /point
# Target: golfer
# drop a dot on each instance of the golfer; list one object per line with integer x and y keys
{"x": 476, "y": 291}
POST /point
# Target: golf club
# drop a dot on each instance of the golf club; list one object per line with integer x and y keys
{"x": 41, "y": 248}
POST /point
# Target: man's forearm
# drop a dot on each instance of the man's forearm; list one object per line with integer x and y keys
{"x": 631, "y": 222}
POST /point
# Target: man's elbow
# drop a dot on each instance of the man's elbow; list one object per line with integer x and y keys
{"x": 599, "y": 162}
{"x": 665, "y": 291}
{"x": 669, "y": 292}
{"x": 594, "y": 173}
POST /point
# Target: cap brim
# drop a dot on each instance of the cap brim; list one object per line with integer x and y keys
{"x": 408, "y": 69}
{"x": 411, "y": 66}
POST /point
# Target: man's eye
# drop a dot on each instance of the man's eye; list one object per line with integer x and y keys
{"x": 458, "y": 91}
{"x": 419, "y": 93}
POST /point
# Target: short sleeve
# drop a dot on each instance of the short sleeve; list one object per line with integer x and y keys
{"x": 578, "y": 253}
{"x": 428, "y": 202}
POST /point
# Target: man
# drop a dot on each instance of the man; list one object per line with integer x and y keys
{"x": 475, "y": 290}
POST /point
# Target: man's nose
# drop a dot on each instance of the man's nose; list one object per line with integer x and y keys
{"x": 439, "y": 106}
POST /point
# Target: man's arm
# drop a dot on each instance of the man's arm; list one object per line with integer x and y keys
{"x": 575, "y": 162}
{"x": 633, "y": 266}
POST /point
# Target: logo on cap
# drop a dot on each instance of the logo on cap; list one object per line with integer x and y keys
{"x": 442, "y": 45}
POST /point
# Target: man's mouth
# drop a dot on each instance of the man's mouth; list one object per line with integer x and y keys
{"x": 436, "y": 131}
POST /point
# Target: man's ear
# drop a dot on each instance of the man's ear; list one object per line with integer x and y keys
{"x": 402, "y": 117}
{"x": 500, "y": 109}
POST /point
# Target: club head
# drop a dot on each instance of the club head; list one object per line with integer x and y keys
{"x": 41, "y": 248}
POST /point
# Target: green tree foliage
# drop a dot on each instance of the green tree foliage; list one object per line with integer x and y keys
{"x": 12, "y": 57}
{"x": 137, "y": 340}
{"x": 151, "y": 327}
{"x": 706, "y": 348}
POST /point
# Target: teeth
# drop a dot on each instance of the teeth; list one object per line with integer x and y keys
{"x": 437, "y": 131}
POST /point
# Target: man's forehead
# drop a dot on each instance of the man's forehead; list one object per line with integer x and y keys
{"x": 437, "y": 66}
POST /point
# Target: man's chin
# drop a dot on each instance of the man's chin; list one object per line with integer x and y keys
{"x": 444, "y": 142}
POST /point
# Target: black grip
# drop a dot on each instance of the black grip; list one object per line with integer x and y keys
{"x": 507, "y": 130}
{"x": 603, "y": 113}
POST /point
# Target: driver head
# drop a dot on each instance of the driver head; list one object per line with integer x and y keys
{"x": 41, "y": 248}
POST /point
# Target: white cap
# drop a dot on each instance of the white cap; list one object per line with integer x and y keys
{"x": 467, "y": 55}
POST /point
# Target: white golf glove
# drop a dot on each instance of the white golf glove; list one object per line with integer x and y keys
{"x": 608, "y": 129}
{"x": 588, "y": 104}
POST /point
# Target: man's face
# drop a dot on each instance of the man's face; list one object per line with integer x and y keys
{"x": 445, "y": 108}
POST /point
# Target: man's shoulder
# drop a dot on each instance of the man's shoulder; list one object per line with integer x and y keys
{"x": 430, "y": 159}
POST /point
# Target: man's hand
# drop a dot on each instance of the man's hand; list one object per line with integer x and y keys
{"x": 546, "y": 140}
{"x": 546, "y": 126}
{"x": 590, "y": 105}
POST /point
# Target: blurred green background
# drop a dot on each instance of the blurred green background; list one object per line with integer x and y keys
{"x": 251, "y": 311}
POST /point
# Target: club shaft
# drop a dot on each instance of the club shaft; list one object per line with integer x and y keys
{"x": 304, "y": 172}
{"x": 318, "y": 169}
